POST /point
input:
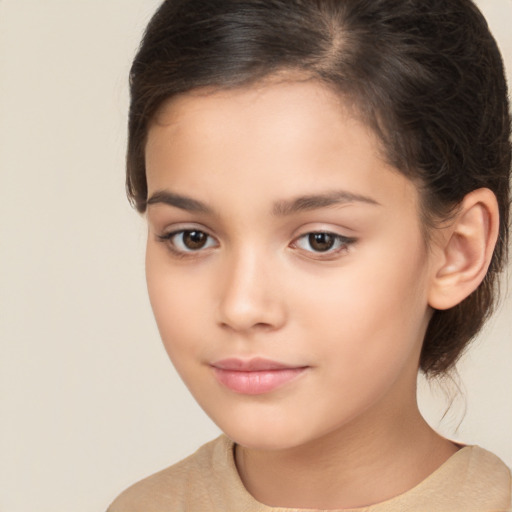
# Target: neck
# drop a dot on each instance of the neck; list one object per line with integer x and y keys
{"x": 369, "y": 461}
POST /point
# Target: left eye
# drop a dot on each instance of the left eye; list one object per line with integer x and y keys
{"x": 322, "y": 242}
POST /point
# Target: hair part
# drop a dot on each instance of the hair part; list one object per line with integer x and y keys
{"x": 425, "y": 75}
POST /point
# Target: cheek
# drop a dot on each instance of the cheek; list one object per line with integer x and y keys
{"x": 372, "y": 310}
{"x": 175, "y": 303}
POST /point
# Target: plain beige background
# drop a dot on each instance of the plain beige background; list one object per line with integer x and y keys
{"x": 88, "y": 400}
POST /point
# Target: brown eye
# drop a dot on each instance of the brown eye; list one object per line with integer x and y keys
{"x": 194, "y": 240}
{"x": 188, "y": 240}
{"x": 321, "y": 242}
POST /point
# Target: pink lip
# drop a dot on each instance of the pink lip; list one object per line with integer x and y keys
{"x": 255, "y": 376}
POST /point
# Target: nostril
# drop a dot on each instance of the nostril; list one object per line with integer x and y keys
{"x": 248, "y": 296}
{"x": 253, "y": 316}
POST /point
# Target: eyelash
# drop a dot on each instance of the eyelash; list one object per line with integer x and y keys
{"x": 168, "y": 239}
{"x": 341, "y": 243}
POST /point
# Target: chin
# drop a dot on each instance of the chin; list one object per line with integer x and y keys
{"x": 263, "y": 441}
{"x": 266, "y": 436}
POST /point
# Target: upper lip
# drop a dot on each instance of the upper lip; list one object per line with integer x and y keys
{"x": 251, "y": 365}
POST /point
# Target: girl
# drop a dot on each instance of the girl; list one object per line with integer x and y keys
{"x": 326, "y": 185}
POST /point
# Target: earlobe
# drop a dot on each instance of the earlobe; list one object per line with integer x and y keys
{"x": 468, "y": 245}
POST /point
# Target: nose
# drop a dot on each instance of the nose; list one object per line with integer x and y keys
{"x": 250, "y": 297}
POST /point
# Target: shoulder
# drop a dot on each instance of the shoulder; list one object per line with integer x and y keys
{"x": 179, "y": 486}
{"x": 481, "y": 479}
{"x": 485, "y": 468}
{"x": 471, "y": 480}
{"x": 482, "y": 464}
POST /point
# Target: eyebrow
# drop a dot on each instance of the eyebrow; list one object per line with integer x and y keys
{"x": 316, "y": 201}
{"x": 280, "y": 208}
{"x": 178, "y": 201}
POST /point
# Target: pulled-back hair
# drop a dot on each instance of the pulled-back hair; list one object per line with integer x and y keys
{"x": 425, "y": 75}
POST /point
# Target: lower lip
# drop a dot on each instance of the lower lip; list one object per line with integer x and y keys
{"x": 257, "y": 382}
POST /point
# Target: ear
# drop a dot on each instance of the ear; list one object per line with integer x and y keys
{"x": 467, "y": 245}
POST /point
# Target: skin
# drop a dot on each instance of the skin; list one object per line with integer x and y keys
{"x": 347, "y": 431}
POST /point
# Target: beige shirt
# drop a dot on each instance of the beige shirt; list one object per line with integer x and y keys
{"x": 472, "y": 480}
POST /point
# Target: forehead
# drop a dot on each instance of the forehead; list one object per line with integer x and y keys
{"x": 283, "y": 106}
{"x": 286, "y": 138}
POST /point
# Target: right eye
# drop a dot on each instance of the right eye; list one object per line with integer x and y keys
{"x": 188, "y": 240}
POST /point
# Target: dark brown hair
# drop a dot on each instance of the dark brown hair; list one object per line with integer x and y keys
{"x": 426, "y": 75}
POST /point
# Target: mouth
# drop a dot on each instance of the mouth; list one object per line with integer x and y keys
{"x": 255, "y": 376}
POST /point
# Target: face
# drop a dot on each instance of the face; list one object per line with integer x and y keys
{"x": 285, "y": 262}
